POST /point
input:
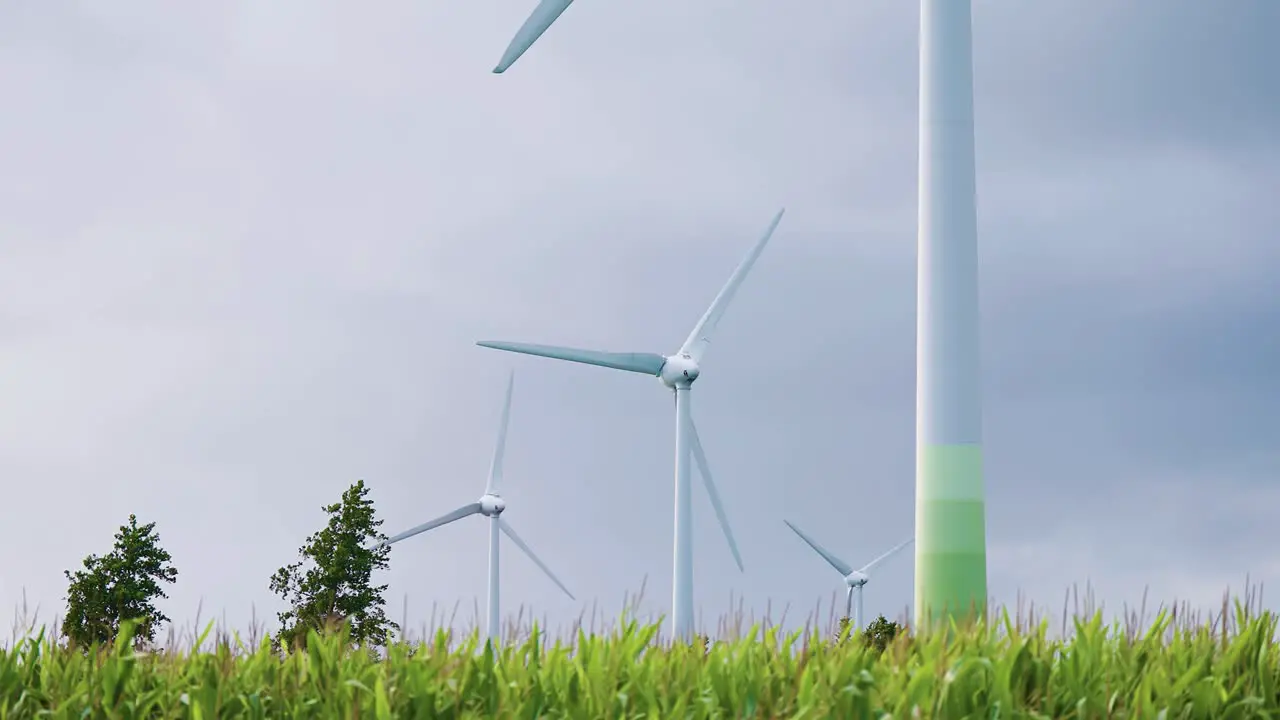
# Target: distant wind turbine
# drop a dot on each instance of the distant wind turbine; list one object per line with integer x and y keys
{"x": 491, "y": 505}
{"x": 855, "y": 579}
{"x": 677, "y": 372}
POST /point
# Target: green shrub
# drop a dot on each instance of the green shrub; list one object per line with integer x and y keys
{"x": 880, "y": 633}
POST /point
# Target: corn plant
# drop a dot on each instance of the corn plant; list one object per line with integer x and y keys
{"x": 990, "y": 670}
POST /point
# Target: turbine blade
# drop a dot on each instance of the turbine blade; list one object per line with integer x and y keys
{"x": 704, "y": 470}
{"x": 647, "y": 363}
{"x": 696, "y": 344}
{"x": 511, "y": 533}
{"x": 831, "y": 559}
{"x": 499, "y": 450}
{"x": 867, "y": 568}
{"x": 537, "y": 23}
{"x": 464, "y": 511}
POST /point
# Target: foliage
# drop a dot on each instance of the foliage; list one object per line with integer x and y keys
{"x": 1002, "y": 671}
{"x": 702, "y": 641}
{"x": 843, "y": 629}
{"x": 880, "y": 633}
{"x": 335, "y": 587}
{"x": 121, "y": 585}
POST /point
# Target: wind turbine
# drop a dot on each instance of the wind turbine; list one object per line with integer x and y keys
{"x": 490, "y": 505}
{"x": 678, "y": 372}
{"x": 855, "y": 579}
{"x": 951, "y": 557}
{"x": 539, "y": 20}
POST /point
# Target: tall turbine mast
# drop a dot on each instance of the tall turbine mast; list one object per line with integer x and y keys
{"x": 951, "y": 552}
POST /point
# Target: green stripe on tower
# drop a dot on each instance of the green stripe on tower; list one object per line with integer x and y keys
{"x": 951, "y": 553}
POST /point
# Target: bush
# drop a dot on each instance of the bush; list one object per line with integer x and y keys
{"x": 880, "y": 633}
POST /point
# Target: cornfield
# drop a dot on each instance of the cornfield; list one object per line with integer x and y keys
{"x": 1225, "y": 669}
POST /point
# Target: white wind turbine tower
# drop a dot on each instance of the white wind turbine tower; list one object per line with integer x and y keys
{"x": 491, "y": 505}
{"x": 677, "y": 372}
{"x": 855, "y": 579}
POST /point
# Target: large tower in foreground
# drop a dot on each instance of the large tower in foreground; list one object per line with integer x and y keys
{"x": 951, "y": 539}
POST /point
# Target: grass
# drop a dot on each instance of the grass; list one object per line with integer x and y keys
{"x": 1176, "y": 665}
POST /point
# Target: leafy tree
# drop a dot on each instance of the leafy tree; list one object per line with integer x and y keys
{"x": 331, "y": 583}
{"x": 880, "y": 633}
{"x": 88, "y": 618}
{"x": 121, "y": 585}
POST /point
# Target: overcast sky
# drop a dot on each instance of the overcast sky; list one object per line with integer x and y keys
{"x": 247, "y": 249}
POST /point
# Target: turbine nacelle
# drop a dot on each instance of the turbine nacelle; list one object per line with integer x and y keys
{"x": 492, "y": 505}
{"x": 680, "y": 369}
{"x": 856, "y": 579}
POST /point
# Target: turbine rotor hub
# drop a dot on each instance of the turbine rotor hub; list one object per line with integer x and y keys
{"x": 492, "y": 505}
{"x": 856, "y": 579}
{"x": 679, "y": 369}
